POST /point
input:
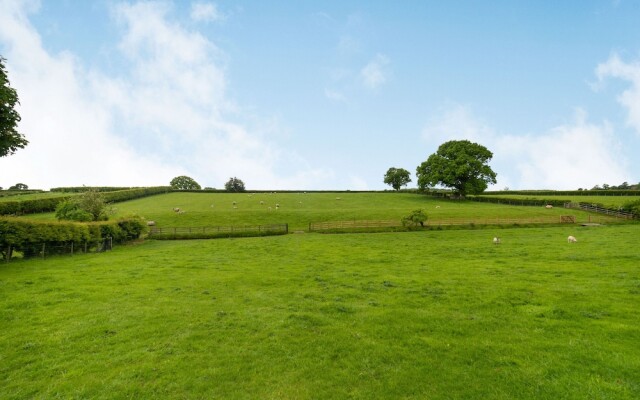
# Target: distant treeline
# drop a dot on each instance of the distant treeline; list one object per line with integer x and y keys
{"x": 33, "y": 206}
{"x": 598, "y": 192}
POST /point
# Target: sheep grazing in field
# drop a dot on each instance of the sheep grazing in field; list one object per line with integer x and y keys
{"x": 437, "y": 206}
{"x": 496, "y": 240}
{"x": 235, "y": 203}
{"x": 548, "y": 206}
{"x": 151, "y": 223}
{"x": 338, "y": 198}
{"x": 176, "y": 209}
{"x": 261, "y": 202}
{"x": 572, "y": 239}
{"x": 277, "y": 206}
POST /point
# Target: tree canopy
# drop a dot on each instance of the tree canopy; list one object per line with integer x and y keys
{"x": 397, "y": 177}
{"x": 234, "y": 185}
{"x": 88, "y": 206}
{"x": 10, "y": 139}
{"x": 184, "y": 183}
{"x": 458, "y": 164}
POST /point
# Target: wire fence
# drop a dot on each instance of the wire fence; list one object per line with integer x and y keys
{"x": 364, "y": 225}
{"x": 211, "y": 232}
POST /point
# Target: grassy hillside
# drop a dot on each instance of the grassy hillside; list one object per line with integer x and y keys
{"x": 435, "y": 315}
{"x": 298, "y": 209}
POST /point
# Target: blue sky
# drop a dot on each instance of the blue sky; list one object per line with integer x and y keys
{"x": 321, "y": 95}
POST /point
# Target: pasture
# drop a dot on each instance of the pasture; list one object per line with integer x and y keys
{"x": 299, "y": 209}
{"x": 433, "y": 314}
{"x": 607, "y": 201}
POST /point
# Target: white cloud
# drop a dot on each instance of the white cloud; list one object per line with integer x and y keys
{"x": 630, "y": 98}
{"x": 455, "y": 122}
{"x": 167, "y": 114}
{"x": 569, "y": 156}
{"x": 375, "y": 73}
{"x": 335, "y": 96}
{"x": 206, "y": 12}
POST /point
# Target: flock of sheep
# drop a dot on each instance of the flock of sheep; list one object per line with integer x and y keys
{"x": 496, "y": 239}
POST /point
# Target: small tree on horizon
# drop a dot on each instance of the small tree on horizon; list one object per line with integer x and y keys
{"x": 234, "y": 185}
{"x": 19, "y": 186}
{"x": 397, "y": 177}
{"x": 184, "y": 182}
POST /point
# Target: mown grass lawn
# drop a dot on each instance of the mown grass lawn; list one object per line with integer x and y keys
{"x": 438, "y": 315}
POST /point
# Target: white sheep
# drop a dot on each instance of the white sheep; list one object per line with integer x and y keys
{"x": 151, "y": 223}
{"x": 548, "y": 206}
{"x": 437, "y": 206}
{"x": 261, "y": 202}
{"x": 176, "y": 209}
{"x": 572, "y": 239}
{"x": 496, "y": 240}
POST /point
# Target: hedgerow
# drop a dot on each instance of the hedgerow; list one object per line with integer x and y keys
{"x": 27, "y": 236}
{"x": 33, "y": 206}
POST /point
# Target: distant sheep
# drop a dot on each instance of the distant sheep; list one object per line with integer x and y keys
{"x": 496, "y": 240}
{"x": 261, "y": 202}
{"x": 176, "y": 209}
{"x": 437, "y": 206}
{"x": 338, "y": 198}
{"x": 572, "y": 239}
{"x": 548, "y": 206}
{"x": 151, "y": 223}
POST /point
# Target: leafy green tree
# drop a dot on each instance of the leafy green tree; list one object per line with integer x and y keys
{"x": 10, "y": 139}
{"x": 184, "y": 183}
{"x": 417, "y": 217}
{"x": 19, "y": 186}
{"x": 234, "y": 185}
{"x": 88, "y": 206}
{"x": 458, "y": 164}
{"x": 397, "y": 177}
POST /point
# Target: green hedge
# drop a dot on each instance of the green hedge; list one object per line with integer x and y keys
{"x": 33, "y": 206}
{"x": 518, "y": 201}
{"x": 602, "y": 192}
{"x": 27, "y": 236}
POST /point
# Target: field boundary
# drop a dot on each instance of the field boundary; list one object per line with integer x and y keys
{"x": 365, "y": 225}
{"x": 212, "y": 232}
{"x": 600, "y": 210}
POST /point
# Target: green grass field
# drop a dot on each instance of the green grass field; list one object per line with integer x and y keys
{"x": 435, "y": 314}
{"x": 299, "y": 209}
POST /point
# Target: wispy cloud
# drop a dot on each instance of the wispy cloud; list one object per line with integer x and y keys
{"x": 206, "y": 12}
{"x": 335, "y": 96}
{"x": 630, "y": 98}
{"x": 375, "y": 73}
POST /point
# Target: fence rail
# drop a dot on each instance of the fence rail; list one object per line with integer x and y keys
{"x": 217, "y": 231}
{"x": 371, "y": 224}
{"x": 600, "y": 210}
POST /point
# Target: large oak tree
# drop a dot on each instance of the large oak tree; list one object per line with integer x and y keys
{"x": 458, "y": 164}
{"x": 10, "y": 139}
